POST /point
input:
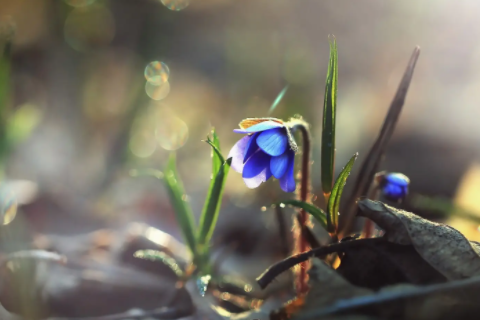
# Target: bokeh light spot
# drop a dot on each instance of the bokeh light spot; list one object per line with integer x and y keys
{"x": 175, "y": 5}
{"x": 142, "y": 143}
{"x": 89, "y": 28}
{"x": 8, "y": 205}
{"x": 172, "y": 133}
{"x": 79, "y": 3}
{"x": 157, "y": 72}
{"x": 157, "y": 92}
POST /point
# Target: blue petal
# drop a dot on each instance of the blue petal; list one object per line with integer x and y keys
{"x": 278, "y": 165}
{"x": 262, "y": 126}
{"x": 237, "y": 153}
{"x": 251, "y": 147}
{"x": 257, "y": 169}
{"x": 274, "y": 141}
{"x": 287, "y": 182}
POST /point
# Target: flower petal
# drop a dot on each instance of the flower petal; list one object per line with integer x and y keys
{"x": 278, "y": 165}
{"x": 257, "y": 169}
{"x": 274, "y": 141}
{"x": 287, "y": 182}
{"x": 251, "y": 147}
{"x": 237, "y": 153}
{"x": 266, "y": 125}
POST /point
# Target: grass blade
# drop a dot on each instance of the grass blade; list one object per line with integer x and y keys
{"x": 334, "y": 201}
{"x": 213, "y": 201}
{"x": 328, "y": 129}
{"x": 182, "y": 209}
{"x": 162, "y": 257}
{"x": 372, "y": 161}
{"x": 316, "y": 212}
{"x": 277, "y": 100}
{"x": 217, "y": 158}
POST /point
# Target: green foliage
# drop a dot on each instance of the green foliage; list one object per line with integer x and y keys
{"x": 181, "y": 207}
{"x": 334, "y": 201}
{"x": 329, "y": 115}
{"x": 211, "y": 208}
{"x": 197, "y": 239}
{"x": 316, "y": 212}
{"x": 154, "y": 255}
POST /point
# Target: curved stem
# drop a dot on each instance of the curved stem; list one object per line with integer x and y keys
{"x": 301, "y": 240}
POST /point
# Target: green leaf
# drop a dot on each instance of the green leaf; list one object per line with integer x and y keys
{"x": 334, "y": 201}
{"x": 329, "y": 115}
{"x": 316, "y": 212}
{"x": 181, "y": 207}
{"x": 217, "y": 158}
{"x": 154, "y": 255}
{"x": 213, "y": 201}
{"x": 278, "y": 99}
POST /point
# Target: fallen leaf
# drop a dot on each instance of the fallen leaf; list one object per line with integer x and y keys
{"x": 443, "y": 247}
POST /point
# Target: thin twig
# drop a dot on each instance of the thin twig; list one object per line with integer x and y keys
{"x": 372, "y": 161}
{"x": 271, "y": 273}
{"x": 344, "y": 305}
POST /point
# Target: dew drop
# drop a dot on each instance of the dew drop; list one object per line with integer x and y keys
{"x": 175, "y": 5}
{"x": 157, "y": 72}
{"x": 142, "y": 143}
{"x": 157, "y": 92}
{"x": 172, "y": 133}
{"x": 282, "y": 205}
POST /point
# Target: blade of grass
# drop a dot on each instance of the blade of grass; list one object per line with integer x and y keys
{"x": 334, "y": 201}
{"x": 217, "y": 158}
{"x": 181, "y": 207}
{"x": 316, "y": 212}
{"x": 372, "y": 161}
{"x": 328, "y": 129}
{"x": 162, "y": 257}
{"x": 213, "y": 201}
{"x": 278, "y": 99}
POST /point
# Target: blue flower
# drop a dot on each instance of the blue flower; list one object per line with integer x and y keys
{"x": 394, "y": 185}
{"x": 268, "y": 149}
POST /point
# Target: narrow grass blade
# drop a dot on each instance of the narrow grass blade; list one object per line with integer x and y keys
{"x": 329, "y": 115}
{"x": 181, "y": 207}
{"x": 277, "y": 100}
{"x": 213, "y": 201}
{"x": 217, "y": 158}
{"x": 316, "y": 212}
{"x": 162, "y": 257}
{"x": 372, "y": 161}
{"x": 334, "y": 201}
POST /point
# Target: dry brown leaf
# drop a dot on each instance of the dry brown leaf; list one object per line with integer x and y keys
{"x": 443, "y": 247}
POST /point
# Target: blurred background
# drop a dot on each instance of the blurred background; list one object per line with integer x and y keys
{"x": 99, "y": 88}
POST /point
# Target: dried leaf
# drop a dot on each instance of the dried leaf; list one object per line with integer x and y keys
{"x": 443, "y": 247}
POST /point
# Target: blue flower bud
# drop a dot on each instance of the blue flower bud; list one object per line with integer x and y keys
{"x": 394, "y": 185}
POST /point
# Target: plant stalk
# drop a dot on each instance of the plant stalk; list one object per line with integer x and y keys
{"x": 301, "y": 244}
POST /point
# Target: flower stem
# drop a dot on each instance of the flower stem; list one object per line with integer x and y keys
{"x": 301, "y": 241}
